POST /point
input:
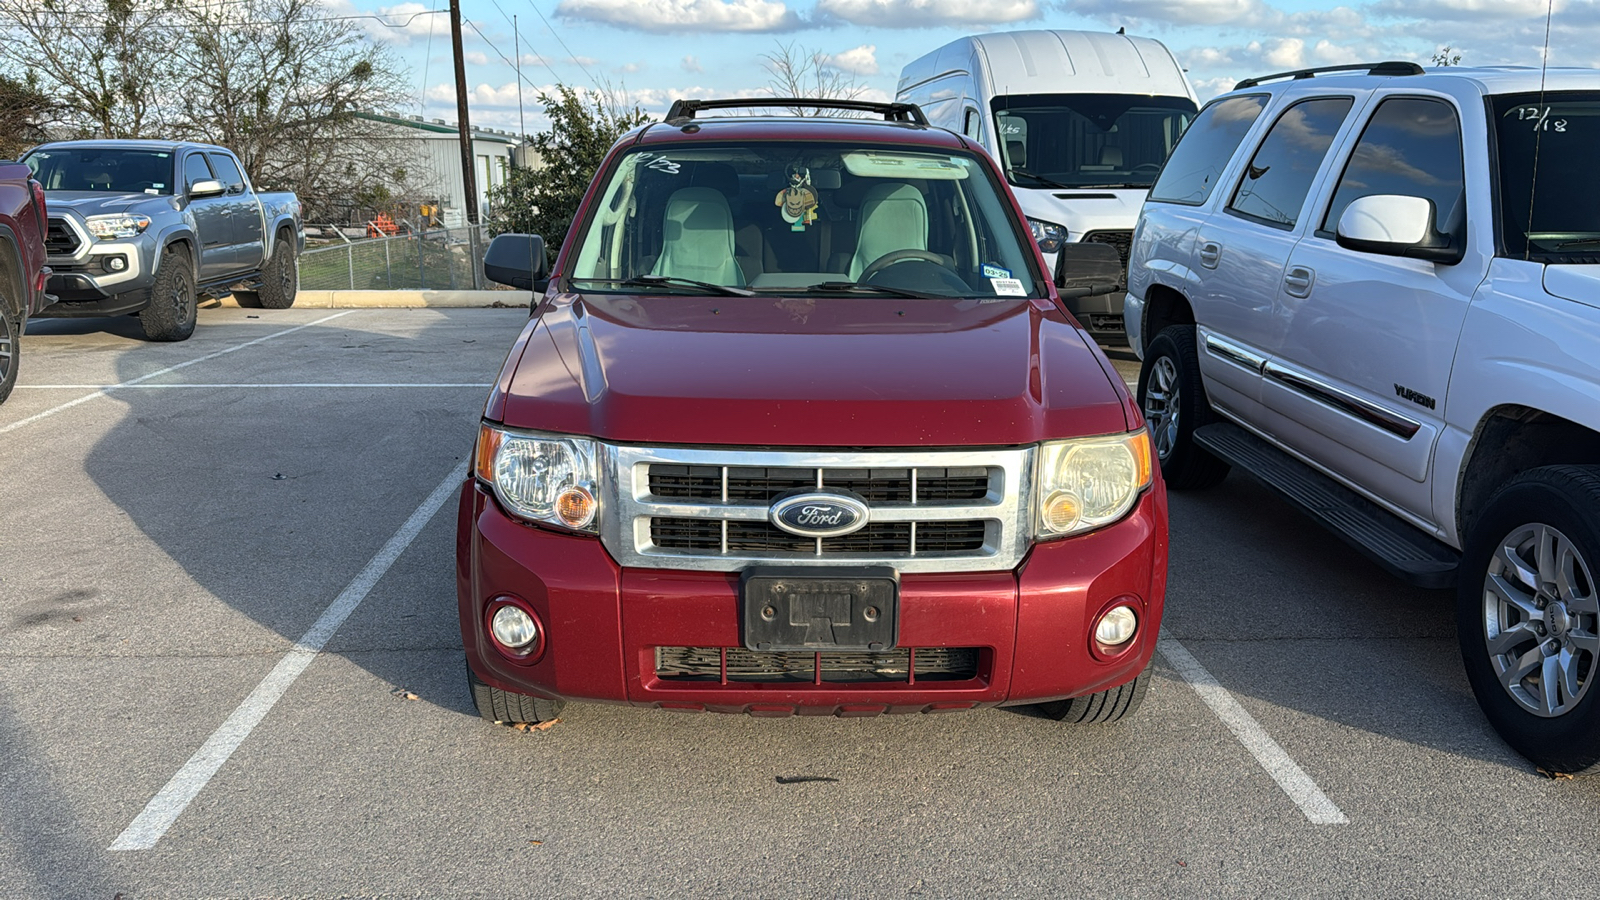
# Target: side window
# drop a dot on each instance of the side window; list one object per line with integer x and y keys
{"x": 972, "y": 124}
{"x": 1276, "y": 182}
{"x": 1410, "y": 146}
{"x": 227, "y": 170}
{"x": 195, "y": 169}
{"x": 1203, "y": 152}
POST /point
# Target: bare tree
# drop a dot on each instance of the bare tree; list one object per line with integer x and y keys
{"x": 798, "y": 72}
{"x": 24, "y": 111}
{"x": 109, "y": 63}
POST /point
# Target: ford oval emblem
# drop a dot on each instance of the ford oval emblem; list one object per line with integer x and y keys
{"x": 819, "y": 514}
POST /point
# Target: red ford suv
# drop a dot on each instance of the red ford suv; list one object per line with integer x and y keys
{"x": 800, "y": 425}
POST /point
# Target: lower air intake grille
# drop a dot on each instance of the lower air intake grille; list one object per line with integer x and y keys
{"x": 750, "y": 666}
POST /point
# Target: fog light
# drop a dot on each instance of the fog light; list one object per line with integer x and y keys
{"x": 576, "y": 507}
{"x": 513, "y": 628}
{"x": 116, "y": 264}
{"x": 1117, "y": 626}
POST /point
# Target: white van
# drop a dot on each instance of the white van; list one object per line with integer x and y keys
{"x": 1081, "y": 121}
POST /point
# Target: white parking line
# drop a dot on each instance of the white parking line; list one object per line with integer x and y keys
{"x": 133, "y": 381}
{"x": 170, "y": 802}
{"x": 308, "y": 384}
{"x": 1284, "y": 770}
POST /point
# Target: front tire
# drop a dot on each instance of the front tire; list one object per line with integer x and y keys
{"x": 10, "y": 343}
{"x": 1102, "y": 708}
{"x": 506, "y": 708}
{"x": 173, "y": 303}
{"x": 1173, "y": 399}
{"x": 1528, "y": 615}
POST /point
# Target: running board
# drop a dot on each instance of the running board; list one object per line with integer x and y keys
{"x": 1388, "y": 540}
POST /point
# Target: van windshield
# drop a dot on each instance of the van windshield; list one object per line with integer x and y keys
{"x": 792, "y": 216}
{"x": 1549, "y": 197}
{"x": 1087, "y": 140}
{"x": 102, "y": 169}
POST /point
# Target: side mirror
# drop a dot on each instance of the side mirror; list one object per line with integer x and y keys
{"x": 1396, "y": 225}
{"x": 1088, "y": 269}
{"x": 517, "y": 260}
{"x": 208, "y": 187}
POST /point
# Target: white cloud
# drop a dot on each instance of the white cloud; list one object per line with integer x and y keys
{"x": 474, "y": 58}
{"x": 1187, "y": 12}
{"x": 402, "y": 24}
{"x": 1466, "y": 10}
{"x": 684, "y": 15}
{"x": 631, "y": 68}
{"x": 862, "y": 60}
{"x": 692, "y": 65}
{"x": 929, "y": 13}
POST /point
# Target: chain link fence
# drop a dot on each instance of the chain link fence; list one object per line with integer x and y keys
{"x": 441, "y": 259}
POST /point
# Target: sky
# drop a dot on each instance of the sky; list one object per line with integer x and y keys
{"x": 659, "y": 50}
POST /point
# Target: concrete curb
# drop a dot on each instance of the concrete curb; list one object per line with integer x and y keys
{"x": 400, "y": 299}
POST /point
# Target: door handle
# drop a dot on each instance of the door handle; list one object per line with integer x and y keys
{"x": 1210, "y": 254}
{"x": 1298, "y": 280}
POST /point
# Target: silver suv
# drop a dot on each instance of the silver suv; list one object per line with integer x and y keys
{"x": 1377, "y": 290}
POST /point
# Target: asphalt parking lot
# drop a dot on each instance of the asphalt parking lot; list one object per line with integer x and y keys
{"x": 228, "y": 569}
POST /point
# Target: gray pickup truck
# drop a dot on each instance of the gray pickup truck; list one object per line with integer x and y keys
{"x": 149, "y": 227}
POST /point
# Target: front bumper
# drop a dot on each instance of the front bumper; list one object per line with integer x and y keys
{"x": 84, "y": 282}
{"x": 1031, "y": 626}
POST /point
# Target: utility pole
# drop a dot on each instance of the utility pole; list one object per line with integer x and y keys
{"x": 469, "y": 181}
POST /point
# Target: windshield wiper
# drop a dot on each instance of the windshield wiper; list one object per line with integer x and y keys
{"x": 1047, "y": 182}
{"x": 1579, "y": 242}
{"x": 1120, "y": 184}
{"x": 856, "y": 287}
{"x": 671, "y": 281}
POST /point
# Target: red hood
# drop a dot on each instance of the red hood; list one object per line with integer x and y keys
{"x": 799, "y": 372}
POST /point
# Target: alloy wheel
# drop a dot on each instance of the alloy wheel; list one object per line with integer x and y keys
{"x": 1540, "y": 620}
{"x": 1161, "y": 405}
{"x": 8, "y": 350}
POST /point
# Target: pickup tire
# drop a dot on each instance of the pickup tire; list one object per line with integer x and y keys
{"x": 1528, "y": 615}
{"x": 1173, "y": 399}
{"x": 1102, "y": 708}
{"x": 280, "y": 279}
{"x": 10, "y": 343}
{"x": 172, "y": 310}
{"x": 507, "y": 708}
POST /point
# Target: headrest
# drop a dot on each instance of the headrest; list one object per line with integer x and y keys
{"x": 1111, "y": 156}
{"x": 1017, "y": 153}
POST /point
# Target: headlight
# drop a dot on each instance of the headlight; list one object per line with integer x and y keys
{"x": 1084, "y": 484}
{"x": 117, "y": 225}
{"x": 547, "y": 479}
{"x": 1048, "y": 235}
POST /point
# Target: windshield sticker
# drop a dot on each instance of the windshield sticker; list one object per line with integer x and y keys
{"x": 1008, "y": 287}
{"x": 990, "y": 270}
{"x": 660, "y": 163}
{"x": 1539, "y": 118}
{"x": 797, "y": 202}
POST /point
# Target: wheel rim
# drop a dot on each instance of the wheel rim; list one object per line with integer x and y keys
{"x": 285, "y": 271}
{"x": 1539, "y": 615}
{"x": 7, "y": 347}
{"x": 182, "y": 298}
{"x": 1161, "y": 405}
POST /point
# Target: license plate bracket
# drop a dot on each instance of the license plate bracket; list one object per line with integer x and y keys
{"x": 794, "y": 608}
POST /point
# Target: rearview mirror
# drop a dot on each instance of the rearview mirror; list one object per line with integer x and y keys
{"x": 207, "y": 187}
{"x": 1396, "y": 225}
{"x": 1088, "y": 269}
{"x": 517, "y": 260}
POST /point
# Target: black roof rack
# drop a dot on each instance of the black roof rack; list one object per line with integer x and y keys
{"x": 684, "y": 110}
{"x": 1382, "y": 68}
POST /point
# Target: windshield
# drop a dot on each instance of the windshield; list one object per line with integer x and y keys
{"x": 102, "y": 169}
{"x": 1088, "y": 140}
{"x": 1553, "y": 215}
{"x": 802, "y": 217}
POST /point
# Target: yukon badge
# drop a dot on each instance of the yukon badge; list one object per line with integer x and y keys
{"x": 819, "y": 514}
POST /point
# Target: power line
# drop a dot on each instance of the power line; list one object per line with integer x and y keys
{"x": 16, "y": 20}
{"x": 574, "y": 56}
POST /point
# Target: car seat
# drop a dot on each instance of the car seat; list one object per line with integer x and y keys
{"x": 697, "y": 238}
{"x": 893, "y": 217}
{"x": 1017, "y": 154}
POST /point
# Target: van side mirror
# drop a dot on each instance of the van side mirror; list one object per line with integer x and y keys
{"x": 206, "y": 187}
{"x": 1397, "y": 225}
{"x": 517, "y": 260}
{"x": 1088, "y": 269}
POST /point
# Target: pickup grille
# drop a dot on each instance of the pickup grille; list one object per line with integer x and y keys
{"x": 736, "y": 664}
{"x": 1122, "y": 240}
{"x": 60, "y": 239}
{"x": 928, "y": 511}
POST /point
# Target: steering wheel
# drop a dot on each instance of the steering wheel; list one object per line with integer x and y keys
{"x": 1146, "y": 167}
{"x": 896, "y": 256}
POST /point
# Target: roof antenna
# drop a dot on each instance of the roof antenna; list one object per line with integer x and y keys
{"x": 1122, "y": 29}
{"x": 1533, "y": 181}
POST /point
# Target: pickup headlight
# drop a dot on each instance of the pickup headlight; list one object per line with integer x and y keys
{"x": 117, "y": 225}
{"x": 1086, "y": 483}
{"x": 548, "y": 479}
{"x": 1048, "y": 235}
